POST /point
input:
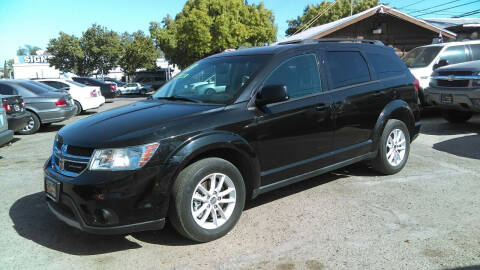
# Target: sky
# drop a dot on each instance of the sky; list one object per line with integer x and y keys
{"x": 35, "y": 22}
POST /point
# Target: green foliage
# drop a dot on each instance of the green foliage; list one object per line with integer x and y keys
{"x": 98, "y": 49}
{"x": 340, "y": 10}
{"x": 206, "y": 27}
{"x": 27, "y": 50}
{"x": 139, "y": 52}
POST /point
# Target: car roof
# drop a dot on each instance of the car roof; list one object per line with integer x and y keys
{"x": 453, "y": 43}
{"x": 277, "y": 49}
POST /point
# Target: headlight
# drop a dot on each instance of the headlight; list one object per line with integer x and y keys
{"x": 476, "y": 80}
{"x": 129, "y": 158}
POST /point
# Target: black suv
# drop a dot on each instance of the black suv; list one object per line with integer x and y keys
{"x": 287, "y": 113}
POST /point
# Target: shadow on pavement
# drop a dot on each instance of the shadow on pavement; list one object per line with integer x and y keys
{"x": 467, "y": 146}
{"x": 51, "y": 128}
{"x": 439, "y": 126}
{"x": 32, "y": 220}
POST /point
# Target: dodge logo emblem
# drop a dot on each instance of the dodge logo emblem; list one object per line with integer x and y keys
{"x": 451, "y": 78}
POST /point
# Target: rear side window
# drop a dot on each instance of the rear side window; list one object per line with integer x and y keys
{"x": 454, "y": 55}
{"x": 386, "y": 64}
{"x": 299, "y": 74}
{"x": 33, "y": 88}
{"x": 475, "y": 51}
{"x": 347, "y": 68}
{"x": 6, "y": 89}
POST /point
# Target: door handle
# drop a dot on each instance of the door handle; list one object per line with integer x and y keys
{"x": 378, "y": 93}
{"x": 321, "y": 107}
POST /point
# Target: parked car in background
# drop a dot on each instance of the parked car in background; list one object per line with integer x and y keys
{"x": 14, "y": 107}
{"x": 111, "y": 80}
{"x": 208, "y": 87}
{"x": 132, "y": 88}
{"x": 455, "y": 89}
{"x": 6, "y": 135}
{"x": 154, "y": 78}
{"x": 423, "y": 60}
{"x": 84, "y": 97}
{"x": 43, "y": 105}
{"x": 109, "y": 90}
{"x": 194, "y": 158}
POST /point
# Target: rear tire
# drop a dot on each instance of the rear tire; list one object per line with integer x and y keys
{"x": 394, "y": 148}
{"x": 32, "y": 126}
{"x": 209, "y": 91}
{"x": 202, "y": 211}
{"x": 456, "y": 117}
{"x": 79, "y": 108}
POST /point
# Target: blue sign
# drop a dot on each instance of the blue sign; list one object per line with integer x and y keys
{"x": 34, "y": 59}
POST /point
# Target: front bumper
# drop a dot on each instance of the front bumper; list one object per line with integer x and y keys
{"x": 6, "y": 136}
{"x": 109, "y": 202}
{"x": 18, "y": 121}
{"x": 462, "y": 98}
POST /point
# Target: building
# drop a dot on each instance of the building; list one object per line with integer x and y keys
{"x": 465, "y": 28}
{"x": 392, "y": 27}
{"x": 34, "y": 67}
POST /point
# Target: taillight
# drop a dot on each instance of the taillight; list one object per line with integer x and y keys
{"x": 61, "y": 103}
{"x": 6, "y": 106}
{"x": 93, "y": 93}
{"x": 112, "y": 87}
{"x": 416, "y": 84}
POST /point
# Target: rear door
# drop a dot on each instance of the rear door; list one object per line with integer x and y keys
{"x": 358, "y": 99}
{"x": 295, "y": 136}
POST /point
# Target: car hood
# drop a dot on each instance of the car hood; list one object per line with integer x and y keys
{"x": 473, "y": 66}
{"x": 138, "y": 123}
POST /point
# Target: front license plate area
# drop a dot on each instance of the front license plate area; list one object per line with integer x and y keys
{"x": 446, "y": 99}
{"x": 52, "y": 189}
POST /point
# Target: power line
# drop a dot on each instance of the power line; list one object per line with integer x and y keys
{"x": 466, "y": 14}
{"x": 301, "y": 29}
{"x": 435, "y": 6}
{"x": 412, "y": 4}
{"x": 418, "y": 15}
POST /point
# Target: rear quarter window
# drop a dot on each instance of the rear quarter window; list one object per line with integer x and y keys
{"x": 347, "y": 68}
{"x": 386, "y": 65}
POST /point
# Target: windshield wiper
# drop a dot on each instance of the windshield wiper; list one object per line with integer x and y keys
{"x": 179, "y": 98}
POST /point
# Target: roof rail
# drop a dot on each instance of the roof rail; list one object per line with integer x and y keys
{"x": 340, "y": 40}
{"x": 351, "y": 40}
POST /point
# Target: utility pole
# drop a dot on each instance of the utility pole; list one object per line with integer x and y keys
{"x": 351, "y": 7}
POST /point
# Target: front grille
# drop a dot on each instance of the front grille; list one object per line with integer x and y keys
{"x": 455, "y": 73}
{"x": 454, "y": 83}
{"x": 70, "y": 160}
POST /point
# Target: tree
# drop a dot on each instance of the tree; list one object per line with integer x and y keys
{"x": 206, "y": 27}
{"x": 139, "y": 51}
{"x": 28, "y": 50}
{"x": 340, "y": 10}
{"x": 98, "y": 49}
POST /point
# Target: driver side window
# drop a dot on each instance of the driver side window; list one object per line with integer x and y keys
{"x": 300, "y": 75}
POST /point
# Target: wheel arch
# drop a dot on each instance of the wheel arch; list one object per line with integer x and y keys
{"x": 397, "y": 109}
{"x": 228, "y": 146}
{"x": 34, "y": 112}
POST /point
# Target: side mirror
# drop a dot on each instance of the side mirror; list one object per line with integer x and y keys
{"x": 441, "y": 63}
{"x": 271, "y": 94}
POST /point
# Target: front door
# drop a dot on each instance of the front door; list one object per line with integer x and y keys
{"x": 295, "y": 136}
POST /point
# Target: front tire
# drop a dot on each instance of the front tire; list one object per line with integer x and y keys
{"x": 32, "y": 126}
{"x": 456, "y": 117}
{"x": 208, "y": 198}
{"x": 394, "y": 148}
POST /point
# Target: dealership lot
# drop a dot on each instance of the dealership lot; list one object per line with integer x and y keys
{"x": 424, "y": 217}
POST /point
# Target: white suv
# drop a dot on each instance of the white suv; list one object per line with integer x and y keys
{"x": 85, "y": 97}
{"x": 423, "y": 60}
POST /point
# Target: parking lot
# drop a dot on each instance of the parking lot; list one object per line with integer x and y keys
{"x": 427, "y": 216}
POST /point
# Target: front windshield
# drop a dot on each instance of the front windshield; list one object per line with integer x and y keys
{"x": 215, "y": 80}
{"x": 421, "y": 56}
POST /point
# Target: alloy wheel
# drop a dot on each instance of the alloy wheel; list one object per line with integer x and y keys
{"x": 30, "y": 124}
{"x": 396, "y": 147}
{"x": 213, "y": 201}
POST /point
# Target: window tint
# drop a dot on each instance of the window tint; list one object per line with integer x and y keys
{"x": 475, "y": 51}
{"x": 454, "y": 55}
{"x": 76, "y": 83}
{"x": 386, "y": 64}
{"x": 6, "y": 89}
{"x": 299, "y": 74}
{"x": 33, "y": 88}
{"x": 421, "y": 56}
{"x": 347, "y": 68}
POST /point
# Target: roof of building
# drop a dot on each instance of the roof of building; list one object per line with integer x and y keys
{"x": 452, "y": 22}
{"x": 326, "y": 29}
